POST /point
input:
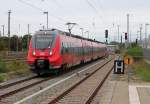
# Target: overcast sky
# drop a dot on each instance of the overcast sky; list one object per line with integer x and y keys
{"x": 92, "y": 15}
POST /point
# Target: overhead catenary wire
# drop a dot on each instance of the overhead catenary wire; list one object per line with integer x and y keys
{"x": 28, "y": 2}
{"x": 59, "y": 5}
{"x": 41, "y": 10}
{"x": 31, "y": 5}
{"x": 95, "y": 10}
{"x": 99, "y": 4}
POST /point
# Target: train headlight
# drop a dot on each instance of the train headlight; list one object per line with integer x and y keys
{"x": 50, "y": 53}
{"x": 33, "y": 53}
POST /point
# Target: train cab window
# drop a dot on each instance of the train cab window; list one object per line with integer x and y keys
{"x": 43, "y": 41}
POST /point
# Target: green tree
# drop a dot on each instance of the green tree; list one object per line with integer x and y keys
{"x": 25, "y": 41}
{"x": 14, "y": 43}
{"x": 4, "y": 43}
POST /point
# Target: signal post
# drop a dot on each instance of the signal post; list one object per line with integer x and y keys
{"x": 106, "y": 36}
{"x": 126, "y": 39}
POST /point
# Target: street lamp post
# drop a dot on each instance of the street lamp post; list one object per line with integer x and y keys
{"x": 28, "y": 35}
{"x": 87, "y": 33}
{"x": 146, "y": 34}
{"x": 118, "y": 33}
{"x": 46, "y": 17}
{"x": 3, "y": 30}
{"x": 141, "y": 34}
{"x": 9, "y": 12}
{"x": 127, "y": 43}
{"x": 138, "y": 34}
{"x": 82, "y": 31}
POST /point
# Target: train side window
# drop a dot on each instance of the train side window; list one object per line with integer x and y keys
{"x": 72, "y": 47}
{"x": 66, "y": 49}
{"x": 62, "y": 48}
{"x": 69, "y": 48}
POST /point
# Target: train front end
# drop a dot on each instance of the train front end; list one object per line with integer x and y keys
{"x": 44, "y": 52}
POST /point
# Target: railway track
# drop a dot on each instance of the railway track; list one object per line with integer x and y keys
{"x": 4, "y": 86}
{"x": 9, "y": 94}
{"x": 15, "y": 59}
{"x": 13, "y": 56}
{"x": 84, "y": 91}
{"x": 18, "y": 60}
{"x": 19, "y": 86}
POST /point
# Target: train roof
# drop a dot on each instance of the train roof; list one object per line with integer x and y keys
{"x": 68, "y": 34}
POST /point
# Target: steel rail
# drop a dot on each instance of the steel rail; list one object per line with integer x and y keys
{"x": 17, "y": 82}
{"x": 60, "y": 96}
{"x": 22, "y": 88}
{"x": 90, "y": 99}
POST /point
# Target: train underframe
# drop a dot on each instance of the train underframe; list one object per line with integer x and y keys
{"x": 43, "y": 66}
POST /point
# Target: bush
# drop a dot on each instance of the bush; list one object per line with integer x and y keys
{"x": 136, "y": 52}
{"x": 2, "y": 77}
{"x": 142, "y": 70}
{"x": 2, "y": 67}
{"x": 18, "y": 68}
{"x": 117, "y": 51}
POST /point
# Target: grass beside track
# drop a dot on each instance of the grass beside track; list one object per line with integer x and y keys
{"x": 140, "y": 67}
{"x": 13, "y": 69}
{"x": 142, "y": 70}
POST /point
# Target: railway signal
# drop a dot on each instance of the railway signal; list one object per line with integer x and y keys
{"x": 106, "y": 35}
{"x": 136, "y": 41}
{"x": 126, "y": 36}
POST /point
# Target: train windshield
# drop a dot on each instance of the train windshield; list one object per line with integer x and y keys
{"x": 42, "y": 41}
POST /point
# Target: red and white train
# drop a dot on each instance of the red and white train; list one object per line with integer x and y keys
{"x": 54, "y": 50}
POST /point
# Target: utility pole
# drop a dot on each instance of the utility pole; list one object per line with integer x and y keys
{"x": 9, "y": 12}
{"x": 82, "y": 31}
{"x": 127, "y": 41}
{"x": 118, "y": 33}
{"x": 141, "y": 34}
{"x": 20, "y": 35}
{"x": 87, "y": 33}
{"x": 3, "y": 30}
{"x": 138, "y": 35}
{"x": 70, "y": 26}
{"x": 130, "y": 40}
{"x": 28, "y": 35}
{"x": 17, "y": 47}
{"x": 121, "y": 40}
{"x": 46, "y": 17}
{"x": 146, "y": 34}
{"x": 0, "y": 34}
